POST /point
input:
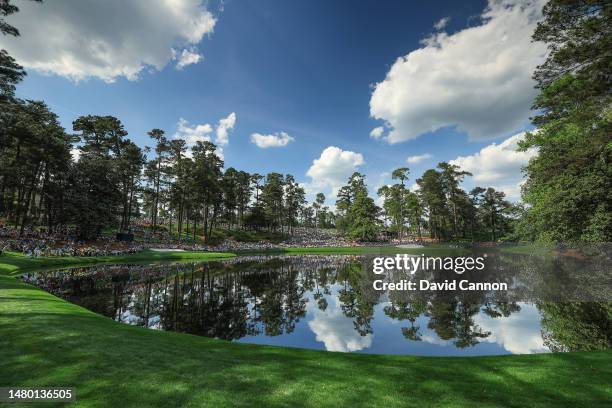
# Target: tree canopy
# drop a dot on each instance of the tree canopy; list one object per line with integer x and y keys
{"x": 569, "y": 183}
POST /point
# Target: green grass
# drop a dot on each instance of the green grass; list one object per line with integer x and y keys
{"x": 45, "y": 341}
{"x": 12, "y": 263}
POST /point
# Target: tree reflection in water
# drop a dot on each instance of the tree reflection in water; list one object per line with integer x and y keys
{"x": 269, "y": 296}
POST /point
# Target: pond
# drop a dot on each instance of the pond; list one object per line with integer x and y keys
{"x": 329, "y": 303}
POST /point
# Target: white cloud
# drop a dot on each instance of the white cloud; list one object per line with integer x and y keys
{"x": 442, "y": 23}
{"x": 76, "y": 154}
{"x": 430, "y": 337}
{"x": 187, "y": 57}
{"x": 203, "y": 132}
{"x": 335, "y": 330}
{"x": 333, "y": 168}
{"x": 518, "y": 333}
{"x": 377, "y": 132}
{"x": 223, "y": 128}
{"x": 418, "y": 158}
{"x": 107, "y": 39}
{"x": 496, "y": 162}
{"x": 382, "y": 179}
{"x": 192, "y": 133}
{"x": 478, "y": 79}
{"x": 279, "y": 139}
{"x": 498, "y": 165}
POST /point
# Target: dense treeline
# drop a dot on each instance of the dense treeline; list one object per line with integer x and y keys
{"x": 114, "y": 182}
{"x": 438, "y": 209}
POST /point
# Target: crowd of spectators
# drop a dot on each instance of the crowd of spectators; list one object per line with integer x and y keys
{"x": 33, "y": 243}
{"x": 37, "y": 243}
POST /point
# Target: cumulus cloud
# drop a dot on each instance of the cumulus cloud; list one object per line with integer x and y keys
{"x": 442, "y": 23}
{"x": 498, "y": 165}
{"x": 377, "y": 132}
{"x": 107, "y": 39}
{"x": 518, "y": 333}
{"x": 418, "y": 158}
{"x": 335, "y": 330}
{"x": 477, "y": 80}
{"x": 187, "y": 57}
{"x": 497, "y": 162}
{"x": 223, "y": 128}
{"x": 203, "y": 132}
{"x": 279, "y": 139}
{"x": 193, "y": 133}
{"x": 333, "y": 168}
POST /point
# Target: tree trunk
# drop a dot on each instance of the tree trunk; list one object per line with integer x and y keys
{"x": 157, "y": 183}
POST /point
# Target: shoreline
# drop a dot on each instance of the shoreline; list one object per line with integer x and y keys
{"x": 10, "y": 261}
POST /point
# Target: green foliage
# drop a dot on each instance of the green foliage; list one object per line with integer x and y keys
{"x": 363, "y": 215}
{"x": 577, "y": 326}
{"x": 569, "y": 183}
{"x": 104, "y": 181}
{"x": 11, "y": 73}
{"x": 357, "y": 214}
{"x": 34, "y": 161}
{"x": 431, "y": 192}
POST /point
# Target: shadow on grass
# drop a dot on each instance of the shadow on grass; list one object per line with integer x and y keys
{"x": 114, "y": 364}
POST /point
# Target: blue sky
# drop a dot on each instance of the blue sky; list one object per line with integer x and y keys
{"x": 309, "y": 69}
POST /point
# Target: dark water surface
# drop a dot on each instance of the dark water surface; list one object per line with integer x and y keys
{"x": 329, "y": 303}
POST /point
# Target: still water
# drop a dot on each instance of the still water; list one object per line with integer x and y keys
{"x": 329, "y": 303}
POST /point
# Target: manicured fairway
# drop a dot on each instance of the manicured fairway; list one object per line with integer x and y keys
{"x": 45, "y": 341}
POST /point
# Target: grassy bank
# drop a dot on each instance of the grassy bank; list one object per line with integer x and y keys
{"x": 45, "y": 341}
{"x": 12, "y": 263}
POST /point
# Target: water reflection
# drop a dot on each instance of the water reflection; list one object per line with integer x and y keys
{"x": 328, "y": 302}
{"x": 335, "y": 329}
{"x": 518, "y": 333}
